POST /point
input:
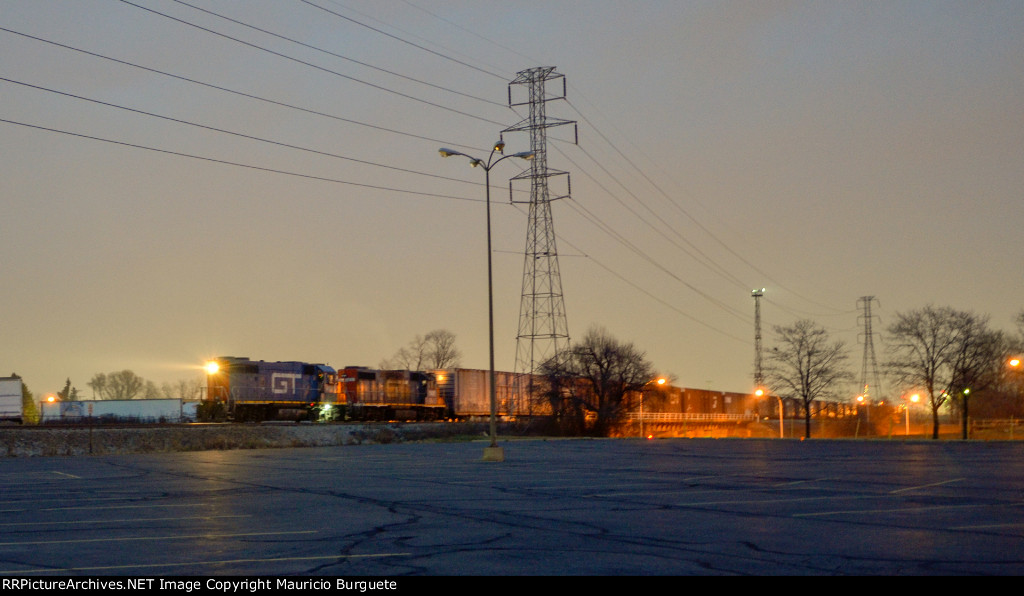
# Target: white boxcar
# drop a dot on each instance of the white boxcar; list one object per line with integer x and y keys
{"x": 467, "y": 393}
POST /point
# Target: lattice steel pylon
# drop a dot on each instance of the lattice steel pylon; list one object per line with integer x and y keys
{"x": 869, "y": 352}
{"x": 543, "y": 327}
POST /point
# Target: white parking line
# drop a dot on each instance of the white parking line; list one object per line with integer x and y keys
{"x": 172, "y": 537}
{"x": 116, "y": 521}
{"x": 903, "y": 490}
{"x": 895, "y": 510}
{"x": 66, "y": 475}
{"x": 989, "y": 526}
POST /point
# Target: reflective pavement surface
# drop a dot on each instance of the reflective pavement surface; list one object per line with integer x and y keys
{"x": 553, "y": 507}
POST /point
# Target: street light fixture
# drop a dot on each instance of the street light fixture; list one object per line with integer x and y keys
{"x": 493, "y": 452}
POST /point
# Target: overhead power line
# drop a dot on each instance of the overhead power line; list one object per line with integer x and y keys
{"x": 435, "y": 140}
{"x": 234, "y": 133}
{"x": 405, "y": 41}
{"x": 635, "y": 285}
{"x": 342, "y": 57}
{"x": 315, "y": 66}
{"x": 238, "y": 164}
{"x": 703, "y": 258}
{"x": 626, "y": 159}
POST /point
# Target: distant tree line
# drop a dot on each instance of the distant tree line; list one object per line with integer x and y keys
{"x": 126, "y": 384}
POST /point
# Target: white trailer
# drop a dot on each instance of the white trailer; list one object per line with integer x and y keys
{"x": 120, "y": 410}
{"x": 10, "y": 400}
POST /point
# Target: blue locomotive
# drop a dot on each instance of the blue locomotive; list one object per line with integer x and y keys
{"x": 245, "y": 390}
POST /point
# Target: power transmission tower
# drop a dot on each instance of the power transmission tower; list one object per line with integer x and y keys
{"x": 758, "y": 368}
{"x": 543, "y": 329}
{"x": 869, "y": 360}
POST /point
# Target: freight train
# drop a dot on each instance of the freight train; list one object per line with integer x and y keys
{"x": 247, "y": 390}
{"x": 370, "y": 394}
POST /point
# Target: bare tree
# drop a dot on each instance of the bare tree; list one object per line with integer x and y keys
{"x": 118, "y": 385}
{"x": 187, "y": 390}
{"x": 442, "y": 350}
{"x": 977, "y": 363}
{"x": 98, "y": 385}
{"x": 593, "y": 379}
{"x": 806, "y": 365}
{"x": 426, "y": 352}
{"x": 151, "y": 391}
{"x": 942, "y": 351}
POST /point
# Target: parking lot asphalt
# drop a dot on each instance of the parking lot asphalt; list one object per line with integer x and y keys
{"x": 552, "y": 508}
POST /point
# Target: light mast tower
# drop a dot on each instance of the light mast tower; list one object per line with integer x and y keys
{"x": 758, "y": 362}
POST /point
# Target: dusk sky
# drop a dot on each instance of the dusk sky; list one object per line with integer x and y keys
{"x": 188, "y": 179}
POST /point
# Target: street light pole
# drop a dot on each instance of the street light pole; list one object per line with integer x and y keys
{"x": 759, "y": 392}
{"x": 493, "y": 452}
{"x": 782, "y": 410}
{"x": 660, "y": 381}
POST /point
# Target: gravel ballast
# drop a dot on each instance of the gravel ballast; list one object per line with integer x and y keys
{"x": 107, "y": 440}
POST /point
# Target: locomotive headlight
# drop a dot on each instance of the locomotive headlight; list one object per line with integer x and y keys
{"x": 212, "y": 367}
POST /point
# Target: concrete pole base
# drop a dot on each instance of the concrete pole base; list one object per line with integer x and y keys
{"x": 494, "y": 454}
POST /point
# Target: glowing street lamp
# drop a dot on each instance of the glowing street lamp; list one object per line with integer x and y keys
{"x": 494, "y": 452}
